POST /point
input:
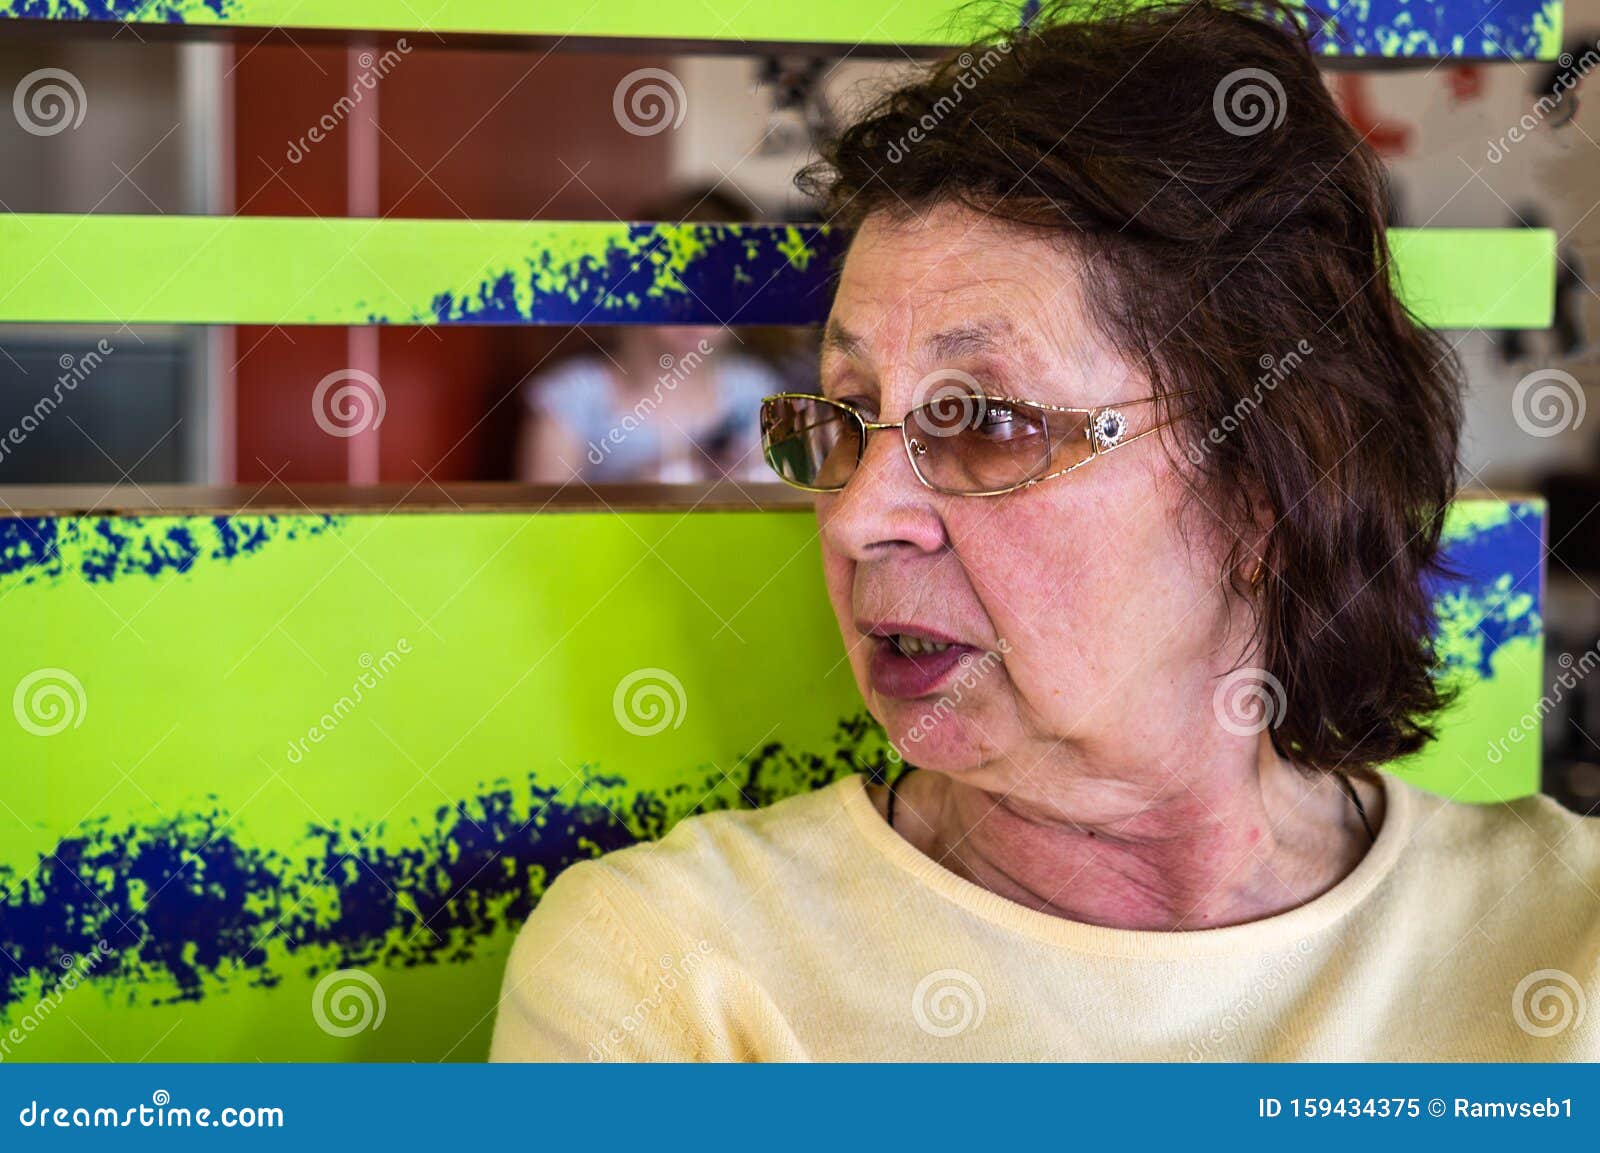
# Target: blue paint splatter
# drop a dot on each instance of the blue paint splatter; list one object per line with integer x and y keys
{"x": 166, "y": 11}
{"x": 1468, "y": 28}
{"x": 28, "y": 545}
{"x": 186, "y": 904}
{"x": 1491, "y": 593}
{"x": 738, "y": 275}
{"x": 100, "y": 549}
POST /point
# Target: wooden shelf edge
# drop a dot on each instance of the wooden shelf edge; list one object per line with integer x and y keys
{"x": 193, "y": 500}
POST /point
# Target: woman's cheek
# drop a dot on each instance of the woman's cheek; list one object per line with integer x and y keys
{"x": 838, "y": 574}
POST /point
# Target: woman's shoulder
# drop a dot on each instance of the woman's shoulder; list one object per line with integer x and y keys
{"x": 1524, "y": 826}
{"x": 1527, "y": 850}
{"x": 711, "y": 859}
{"x": 637, "y": 955}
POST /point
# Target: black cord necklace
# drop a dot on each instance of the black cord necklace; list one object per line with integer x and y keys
{"x": 894, "y": 784}
{"x": 1355, "y": 799}
{"x": 1344, "y": 780}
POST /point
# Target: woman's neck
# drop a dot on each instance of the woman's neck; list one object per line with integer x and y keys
{"x": 1172, "y": 855}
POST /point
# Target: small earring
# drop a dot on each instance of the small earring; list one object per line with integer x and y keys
{"x": 1259, "y": 575}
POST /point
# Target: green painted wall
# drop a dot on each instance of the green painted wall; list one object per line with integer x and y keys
{"x": 163, "y": 792}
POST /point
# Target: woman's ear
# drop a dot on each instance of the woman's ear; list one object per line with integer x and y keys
{"x": 1255, "y": 540}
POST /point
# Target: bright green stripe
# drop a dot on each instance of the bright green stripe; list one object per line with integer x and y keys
{"x": 847, "y": 21}
{"x": 1477, "y": 277}
{"x": 264, "y": 270}
{"x": 271, "y": 270}
{"x": 1426, "y": 28}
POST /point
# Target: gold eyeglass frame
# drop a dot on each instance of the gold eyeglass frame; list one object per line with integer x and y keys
{"x": 1097, "y": 447}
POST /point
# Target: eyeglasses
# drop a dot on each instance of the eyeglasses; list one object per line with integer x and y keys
{"x": 964, "y": 444}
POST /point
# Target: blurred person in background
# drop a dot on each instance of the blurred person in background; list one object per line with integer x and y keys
{"x": 672, "y": 404}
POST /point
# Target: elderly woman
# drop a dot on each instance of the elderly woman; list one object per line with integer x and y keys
{"x": 1075, "y": 251}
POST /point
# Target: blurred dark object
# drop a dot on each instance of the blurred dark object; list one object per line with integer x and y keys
{"x": 800, "y": 115}
{"x": 78, "y": 411}
{"x": 1565, "y": 335}
{"x": 1575, "y": 522}
{"x": 1572, "y": 643}
{"x": 1559, "y": 85}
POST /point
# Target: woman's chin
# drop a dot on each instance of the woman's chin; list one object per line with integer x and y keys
{"x": 947, "y": 747}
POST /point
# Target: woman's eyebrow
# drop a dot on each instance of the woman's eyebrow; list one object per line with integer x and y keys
{"x": 950, "y": 344}
{"x": 837, "y": 338}
{"x": 968, "y": 339}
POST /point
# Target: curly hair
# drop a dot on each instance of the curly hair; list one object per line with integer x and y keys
{"x": 1190, "y": 157}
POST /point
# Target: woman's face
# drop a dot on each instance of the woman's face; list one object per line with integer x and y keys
{"x": 1086, "y": 621}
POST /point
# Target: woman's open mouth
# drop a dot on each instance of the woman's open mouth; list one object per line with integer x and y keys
{"x": 910, "y": 663}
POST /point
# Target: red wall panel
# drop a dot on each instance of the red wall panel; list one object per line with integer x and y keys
{"x": 481, "y": 134}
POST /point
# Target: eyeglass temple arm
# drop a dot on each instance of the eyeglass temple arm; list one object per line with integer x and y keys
{"x": 1157, "y": 427}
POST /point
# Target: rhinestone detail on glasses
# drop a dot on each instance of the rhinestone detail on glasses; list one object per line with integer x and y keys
{"x": 1110, "y": 426}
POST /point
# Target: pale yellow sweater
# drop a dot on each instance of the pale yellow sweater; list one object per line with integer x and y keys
{"x": 811, "y": 931}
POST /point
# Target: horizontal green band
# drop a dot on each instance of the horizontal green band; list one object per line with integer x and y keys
{"x": 105, "y": 269}
{"x": 1477, "y": 277}
{"x": 304, "y": 270}
{"x": 1470, "y": 29}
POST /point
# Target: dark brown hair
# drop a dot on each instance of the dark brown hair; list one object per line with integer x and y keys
{"x": 1190, "y": 156}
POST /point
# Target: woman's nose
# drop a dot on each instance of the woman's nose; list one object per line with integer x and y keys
{"x": 883, "y": 508}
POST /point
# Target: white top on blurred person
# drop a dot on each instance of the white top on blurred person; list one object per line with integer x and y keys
{"x": 672, "y": 404}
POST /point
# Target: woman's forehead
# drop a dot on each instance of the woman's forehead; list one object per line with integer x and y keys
{"x": 952, "y": 286}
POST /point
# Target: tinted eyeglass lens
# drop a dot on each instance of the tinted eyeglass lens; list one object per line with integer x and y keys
{"x": 987, "y": 445}
{"x": 809, "y": 442}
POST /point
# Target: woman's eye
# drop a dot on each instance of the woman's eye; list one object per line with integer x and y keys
{"x": 999, "y": 422}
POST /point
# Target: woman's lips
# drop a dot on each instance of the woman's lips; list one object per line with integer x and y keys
{"x": 906, "y": 676}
